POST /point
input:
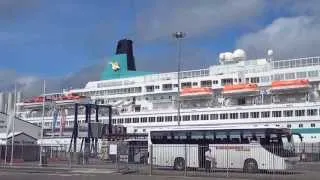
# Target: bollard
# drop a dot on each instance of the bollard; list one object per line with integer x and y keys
{"x": 151, "y": 159}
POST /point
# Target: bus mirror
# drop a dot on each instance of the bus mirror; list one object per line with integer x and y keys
{"x": 299, "y": 136}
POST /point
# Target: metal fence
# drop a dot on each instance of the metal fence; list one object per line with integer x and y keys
{"x": 230, "y": 160}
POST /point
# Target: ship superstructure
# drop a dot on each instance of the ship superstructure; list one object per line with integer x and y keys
{"x": 262, "y": 91}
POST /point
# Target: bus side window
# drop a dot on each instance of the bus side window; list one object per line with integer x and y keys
{"x": 221, "y": 137}
{"x": 234, "y": 137}
{"x": 179, "y": 137}
{"x": 196, "y": 137}
{"x": 209, "y": 137}
{"x": 246, "y": 137}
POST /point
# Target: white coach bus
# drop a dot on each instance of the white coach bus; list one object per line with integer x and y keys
{"x": 238, "y": 147}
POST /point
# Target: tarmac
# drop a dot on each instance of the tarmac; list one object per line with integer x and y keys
{"x": 47, "y": 173}
{"x": 309, "y": 171}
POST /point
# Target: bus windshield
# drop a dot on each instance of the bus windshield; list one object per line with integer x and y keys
{"x": 279, "y": 143}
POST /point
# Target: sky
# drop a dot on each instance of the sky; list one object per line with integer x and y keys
{"x": 68, "y": 42}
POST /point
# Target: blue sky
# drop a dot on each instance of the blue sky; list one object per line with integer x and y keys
{"x": 42, "y": 39}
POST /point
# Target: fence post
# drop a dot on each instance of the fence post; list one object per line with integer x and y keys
{"x": 185, "y": 160}
{"x": 151, "y": 159}
{"x": 228, "y": 163}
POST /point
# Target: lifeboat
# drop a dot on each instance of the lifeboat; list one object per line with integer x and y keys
{"x": 71, "y": 96}
{"x": 240, "y": 88}
{"x": 290, "y": 84}
{"x": 195, "y": 92}
{"x": 38, "y": 99}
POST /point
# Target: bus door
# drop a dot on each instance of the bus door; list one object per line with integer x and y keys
{"x": 202, "y": 148}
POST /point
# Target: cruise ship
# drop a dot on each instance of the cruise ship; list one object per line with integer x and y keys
{"x": 235, "y": 91}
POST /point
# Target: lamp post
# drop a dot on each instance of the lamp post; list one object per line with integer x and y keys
{"x": 179, "y": 36}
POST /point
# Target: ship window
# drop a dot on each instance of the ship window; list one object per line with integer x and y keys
{"x": 215, "y": 82}
{"x": 150, "y": 88}
{"x": 313, "y": 73}
{"x": 185, "y": 118}
{"x": 276, "y": 113}
{"x": 204, "y": 117}
{"x": 214, "y": 116}
{"x": 120, "y": 121}
{"x": 290, "y": 75}
{"x": 254, "y": 114}
{"x": 301, "y": 74}
{"x": 194, "y": 84}
{"x": 265, "y": 79}
{"x": 233, "y": 115}
{"x": 206, "y": 83}
{"x": 144, "y": 119}
{"x": 168, "y": 118}
{"x": 186, "y": 85}
{"x": 312, "y": 112}
{"x": 255, "y": 80}
{"x": 127, "y": 120}
{"x": 226, "y": 81}
{"x": 278, "y": 77}
{"x": 265, "y": 114}
{"x": 288, "y": 125}
{"x": 300, "y": 125}
{"x": 157, "y": 87}
{"x": 135, "y": 120}
{"x": 114, "y": 121}
{"x": 313, "y": 125}
{"x": 159, "y": 119}
{"x": 299, "y": 113}
{"x": 244, "y": 115}
{"x": 288, "y": 113}
{"x": 195, "y": 117}
{"x": 143, "y": 130}
{"x": 152, "y": 119}
{"x": 167, "y": 87}
{"x": 224, "y": 116}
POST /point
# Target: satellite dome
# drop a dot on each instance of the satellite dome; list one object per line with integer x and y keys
{"x": 239, "y": 54}
{"x": 270, "y": 52}
{"x": 228, "y": 56}
{"x": 221, "y": 56}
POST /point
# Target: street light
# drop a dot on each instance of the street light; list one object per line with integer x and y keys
{"x": 179, "y": 36}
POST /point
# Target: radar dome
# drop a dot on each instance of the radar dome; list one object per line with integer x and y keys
{"x": 270, "y": 52}
{"x": 239, "y": 54}
{"x": 221, "y": 56}
{"x": 228, "y": 56}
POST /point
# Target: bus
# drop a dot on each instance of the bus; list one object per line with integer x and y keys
{"x": 249, "y": 148}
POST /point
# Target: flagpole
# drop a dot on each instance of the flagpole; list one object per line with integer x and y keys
{"x": 53, "y": 126}
{"x": 42, "y": 121}
{"x": 14, "y": 116}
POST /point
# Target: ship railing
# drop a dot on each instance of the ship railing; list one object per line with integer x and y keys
{"x": 300, "y": 62}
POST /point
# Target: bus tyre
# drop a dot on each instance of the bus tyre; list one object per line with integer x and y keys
{"x": 179, "y": 164}
{"x": 250, "y": 166}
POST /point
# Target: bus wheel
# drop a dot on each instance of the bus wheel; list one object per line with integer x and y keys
{"x": 250, "y": 166}
{"x": 179, "y": 164}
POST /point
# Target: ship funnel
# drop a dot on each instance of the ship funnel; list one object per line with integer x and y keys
{"x": 125, "y": 47}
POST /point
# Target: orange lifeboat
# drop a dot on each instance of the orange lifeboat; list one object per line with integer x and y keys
{"x": 196, "y": 91}
{"x": 290, "y": 84}
{"x": 240, "y": 88}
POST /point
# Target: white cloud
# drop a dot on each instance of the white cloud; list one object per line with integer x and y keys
{"x": 195, "y": 17}
{"x": 32, "y": 85}
{"x": 288, "y": 37}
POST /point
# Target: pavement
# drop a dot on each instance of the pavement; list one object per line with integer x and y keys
{"x": 84, "y": 176}
{"x": 308, "y": 171}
